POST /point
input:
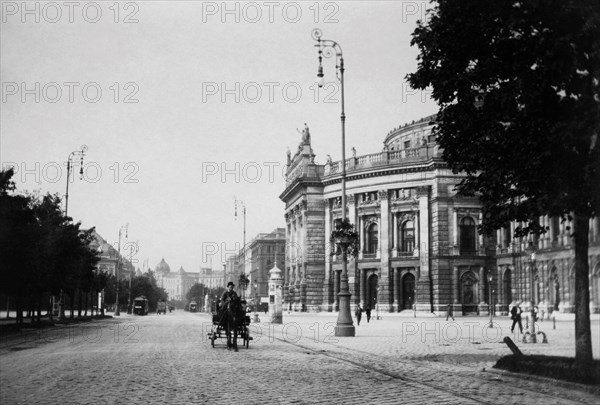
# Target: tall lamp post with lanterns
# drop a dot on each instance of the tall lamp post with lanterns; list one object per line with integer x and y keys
{"x": 243, "y": 206}
{"x": 328, "y": 48}
{"x": 81, "y": 154}
{"x": 117, "y": 270}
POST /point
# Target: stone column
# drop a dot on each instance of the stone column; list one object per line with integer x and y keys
{"x": 483, "y": 307}
{"x": 456, "y": 305}
{"x": 351, "y": 202}
{"x": 480, "y": 247}
{"x": 384, "y": 233}
{"x": 455, "y": 227}
{"x": 363, "y": 286}
{"x": 361, "y": 235}
{"x": 395, "y": 234}
{"x": 418, "y": 246}
{"x": 328, "y": 250}
{"x": 423, "y": 298}
{"x": 396, "y": 289}
{"x": 336, "y": 290}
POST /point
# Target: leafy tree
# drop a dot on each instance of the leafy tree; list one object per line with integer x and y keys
{"x": 17, "y": 241}
{"x": 196, "y": 293}
{"x": 517, "y": 83}
{"x": 145, "y": 285}
{"x": 42, "y": 251}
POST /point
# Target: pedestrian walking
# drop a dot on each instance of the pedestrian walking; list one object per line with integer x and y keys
{"x": 450, "y": 313}
{"x": 368, "y": 312}
{"x": 358, "y": 314}
{"x": 515, "y": 315}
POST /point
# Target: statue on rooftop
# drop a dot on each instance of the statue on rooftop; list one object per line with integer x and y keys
{"x": 305, "y": 135}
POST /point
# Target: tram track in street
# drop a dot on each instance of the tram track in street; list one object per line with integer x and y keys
{"x": 499, "y": 380}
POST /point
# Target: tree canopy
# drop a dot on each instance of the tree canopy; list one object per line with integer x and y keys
{"x": 42, "y": 251}
{"x": 517, "y": 83}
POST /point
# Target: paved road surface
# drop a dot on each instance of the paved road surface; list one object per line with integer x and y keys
{"x": 168, "y": 359}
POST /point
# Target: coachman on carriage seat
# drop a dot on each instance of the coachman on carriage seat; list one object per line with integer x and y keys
{"x": 230, "y": 319}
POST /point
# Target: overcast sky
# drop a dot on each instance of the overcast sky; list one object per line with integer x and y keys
{"x": 184, "y": 105}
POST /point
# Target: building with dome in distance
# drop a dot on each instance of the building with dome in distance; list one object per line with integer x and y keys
{"x": 176, "y": 284}
{"x": 419, "y": 245}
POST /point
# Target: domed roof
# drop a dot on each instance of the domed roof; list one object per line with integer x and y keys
{"x": 181, "y": 270}
{"x": 162, "y": 267}
{"x": 414, "y": 131}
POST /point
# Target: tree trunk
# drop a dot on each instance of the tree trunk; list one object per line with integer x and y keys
{"x": 72, "y": 303}
{"x": 79, "y": 303}
{"x": 19, "y": 308}
{"x": 583, "y": 333}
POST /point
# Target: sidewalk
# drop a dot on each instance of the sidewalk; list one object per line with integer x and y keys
{"x": 467, "y": 340}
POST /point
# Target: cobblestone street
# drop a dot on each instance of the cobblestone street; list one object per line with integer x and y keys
{"x": 169, "y": 359}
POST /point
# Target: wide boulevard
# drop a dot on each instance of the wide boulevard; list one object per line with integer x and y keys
{"x": 169, "y": 359}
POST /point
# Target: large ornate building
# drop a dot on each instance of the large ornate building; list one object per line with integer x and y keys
{"x": 419, "y": 246}
{"x": 256, "y": 261}
{"x": 176, "y": 284}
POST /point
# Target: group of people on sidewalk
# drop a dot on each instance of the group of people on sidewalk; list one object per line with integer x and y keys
{"x": 359, "y": 311}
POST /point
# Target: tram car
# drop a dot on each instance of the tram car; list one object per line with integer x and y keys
{"x": 140, "y": 306}
{"x": 161, "y": 307}
{"x": 193, "y": 306}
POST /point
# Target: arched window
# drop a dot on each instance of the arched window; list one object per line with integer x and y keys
{"x": 407, "y": 237}
{"x": 373, "y": 239}
{"x": 467, "y": 235}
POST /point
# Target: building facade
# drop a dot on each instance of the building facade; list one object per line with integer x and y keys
{"x": 266, "y": 249}
{"x": 419, "y": 245}
{"x": 255, "y": 261}
{"x": 110, "y": 258}
{"x": 211, "y": 278}
{"x": 176, "y": 284}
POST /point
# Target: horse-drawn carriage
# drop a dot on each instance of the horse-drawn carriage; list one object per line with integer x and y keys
{"x": 230, "y": 320}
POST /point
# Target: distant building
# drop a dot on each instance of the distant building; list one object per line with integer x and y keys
{"x": 265, "y": 248}
{"x": 176, "y": 284}
{"x": 419, "y": 246}
{"x": 110, "y": 257}
{"x": 255, "y": 262}
{"x": 211, "y": 278}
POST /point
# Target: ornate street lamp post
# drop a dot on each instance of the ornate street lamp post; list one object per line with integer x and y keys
{"x": 126, "y": 227}
{"x": 328, "y": 48}
{"x": 241, "y": 203}
{"x": 81, "y": 154}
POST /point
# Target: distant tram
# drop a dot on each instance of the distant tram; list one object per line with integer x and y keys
{"x": 193, "y": 306}
{"x": 140, "y": 306}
